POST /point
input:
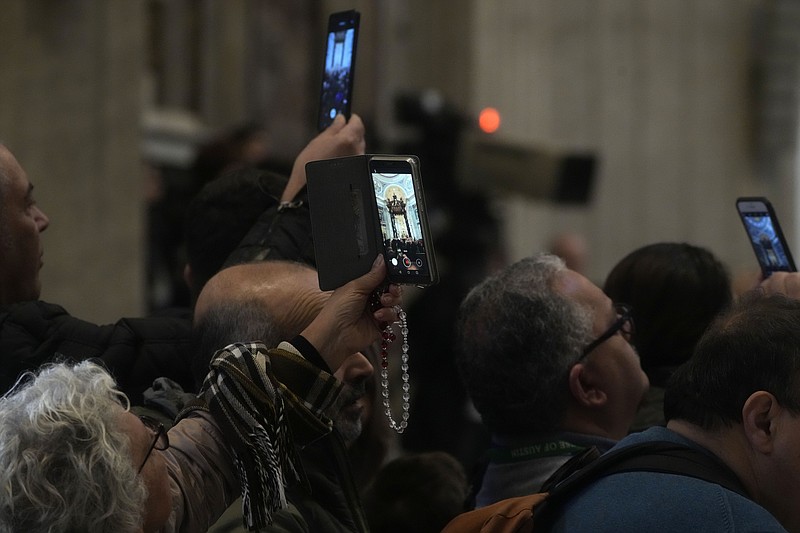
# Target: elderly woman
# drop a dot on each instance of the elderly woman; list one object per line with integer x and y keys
{"x": 74, "y": 458}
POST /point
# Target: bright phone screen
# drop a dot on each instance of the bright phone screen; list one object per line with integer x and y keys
{"x": 338, "y": 75}
{"x": 403, "y": 241}
{"x": 766, "y": 243}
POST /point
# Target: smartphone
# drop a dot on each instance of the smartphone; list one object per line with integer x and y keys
{"x": 400, "y": 203}
{"x": 764, "y": 231}
{"x": 339, "y": 67}
{"x": 366, "y": 205}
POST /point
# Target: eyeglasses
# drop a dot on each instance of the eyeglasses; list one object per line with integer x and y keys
{"x": 623, "y": 323}
{"x": 161, "y": 440}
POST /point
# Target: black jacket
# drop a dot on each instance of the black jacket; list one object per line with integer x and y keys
{"x": 134, "y": 350}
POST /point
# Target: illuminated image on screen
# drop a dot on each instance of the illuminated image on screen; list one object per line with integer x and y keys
{"x": 766, "y": 243}
{"x": 398, "y": 212}
{"x": 337, "y": 80}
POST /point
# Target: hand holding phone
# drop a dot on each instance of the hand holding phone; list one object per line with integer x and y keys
{"x": 762, "y": 227}
{"x": 340, "y": 140}
{"x": 339, "y": 67}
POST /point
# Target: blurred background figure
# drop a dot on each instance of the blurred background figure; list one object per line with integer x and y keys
{"x": 442, "y": 415}
{"x": 675, "y": 290}
{"x": 242, "y": 147}
{"x": 220, "y": 215}
{"x": 419, "y": 492}
{"x": 572, "y": 248}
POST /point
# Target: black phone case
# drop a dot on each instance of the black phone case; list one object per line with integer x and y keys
{"x": 346, "y": 241}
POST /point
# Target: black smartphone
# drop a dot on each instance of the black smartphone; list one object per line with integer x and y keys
{"x": 400, "y": 204}
{"x": 339, "y": 67}
{"x": 365, "y": 205}
{"x": 764, "y": 231}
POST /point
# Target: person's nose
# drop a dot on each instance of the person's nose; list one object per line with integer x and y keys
{"x": 42, "y": 221}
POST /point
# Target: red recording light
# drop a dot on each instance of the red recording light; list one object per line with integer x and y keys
{"x": 489, "y": 120}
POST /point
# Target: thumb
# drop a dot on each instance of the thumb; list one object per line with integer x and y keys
{"x": 373, "y": 278}
{"x": 338, "y": 123}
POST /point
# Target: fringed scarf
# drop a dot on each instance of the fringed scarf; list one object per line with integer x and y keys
{"x": 250, "y": 412}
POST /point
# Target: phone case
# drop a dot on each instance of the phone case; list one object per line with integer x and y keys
{"x": 345, "y": 241}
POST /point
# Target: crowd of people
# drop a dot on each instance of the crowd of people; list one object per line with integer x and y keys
{"x": 261, "y": 407}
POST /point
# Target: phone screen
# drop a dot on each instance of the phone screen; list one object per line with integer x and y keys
{"x": 401, "y": 215}
{"x": 766, "y": 237}
{"x": 339, "y": 67}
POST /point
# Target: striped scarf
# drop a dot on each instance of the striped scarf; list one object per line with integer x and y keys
{"x": 241, "y": 394}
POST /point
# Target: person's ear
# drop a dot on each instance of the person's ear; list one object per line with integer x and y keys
{"x": 585, "y": 386}
{"x": 759, "y": 415}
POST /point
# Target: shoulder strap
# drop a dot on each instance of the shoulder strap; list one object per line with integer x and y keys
{"x": 577, "y": 462}
{"x": 517, "y": 515}
{"x": 657, "y": 456}
{"x": 670, "y": 458}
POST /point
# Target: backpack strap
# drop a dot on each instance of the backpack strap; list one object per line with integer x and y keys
{"x": 577, "y": 462}
{"x": 657, "y": 456}
{"x": 521, "y": 514}
{"x": 670, "y": 458}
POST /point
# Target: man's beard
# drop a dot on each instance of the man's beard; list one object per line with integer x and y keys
{"x": 348, "y": 415}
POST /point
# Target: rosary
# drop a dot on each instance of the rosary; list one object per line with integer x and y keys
{"x": 388, "y": 338}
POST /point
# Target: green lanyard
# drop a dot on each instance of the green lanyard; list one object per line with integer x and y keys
{"x": 535, "y": 450}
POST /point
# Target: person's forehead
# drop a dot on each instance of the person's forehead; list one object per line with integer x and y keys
{"x": 12, "y": 176}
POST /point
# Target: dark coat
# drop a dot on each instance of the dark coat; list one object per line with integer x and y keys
{"x": 135, "y": 350}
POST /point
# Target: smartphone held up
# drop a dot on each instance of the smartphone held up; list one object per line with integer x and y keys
{"x": 764, "y": 231}
{"x": 339, "y": 67}
{"x": 365, "y": 205}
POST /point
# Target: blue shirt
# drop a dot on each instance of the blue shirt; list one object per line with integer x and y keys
{"x": 655, "y": 502}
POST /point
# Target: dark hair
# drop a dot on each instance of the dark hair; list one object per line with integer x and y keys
{"x": 517, "y": 338}
{"x": 417, "y": 492}
{"x": 675, "y": 290}
{"x": 222, "y": 213}
{"x": 223, "y": 152}
{"x": 755, "y": 346}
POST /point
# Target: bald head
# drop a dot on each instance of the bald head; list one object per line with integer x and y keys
{"x": 268, "y": 302}
{"x": 287, "y": 291}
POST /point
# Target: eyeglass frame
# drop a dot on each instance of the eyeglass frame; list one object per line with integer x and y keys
{"x": 624, "y": 312}
{"x": 161, "y": 437}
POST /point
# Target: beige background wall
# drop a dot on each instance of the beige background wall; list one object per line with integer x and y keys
{"x": 69, "y": 79}
{"x": 661, "y": 91}
{"x": 658, "y": 90}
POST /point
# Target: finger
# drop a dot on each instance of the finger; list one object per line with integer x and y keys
{"x": 372, "y": 279}
{"x": 356, "y": 123}
{"x": 338, "y": 123}
{"x": 776, "y": 283}
{"x": 385, "y": 315}
{"x": 388, "y": 299}
{"x": 355, "y": 129}
{"x": 395, "y": 289}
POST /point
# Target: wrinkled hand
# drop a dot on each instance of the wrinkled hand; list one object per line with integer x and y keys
{"x": 787, "y": 283}
{"x": 346, "y": 323}
{"x": 340, "y": 139}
